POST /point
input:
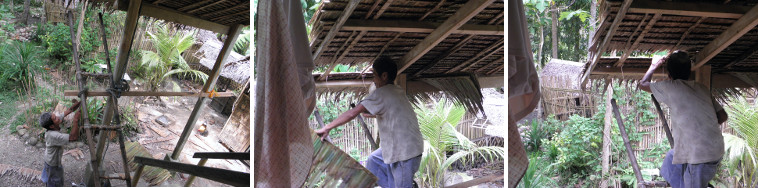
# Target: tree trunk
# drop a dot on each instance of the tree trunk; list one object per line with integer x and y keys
{"x": 593, "y": 20}
{"x": 81, "y": 24}
{"x": 607, "y": 136}
{"x": 542, "y": 43}
{"x": 554, "y": 15}
{"x": 25, "y": 15}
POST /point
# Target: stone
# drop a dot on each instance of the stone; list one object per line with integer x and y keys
{"x": 40, "y": 145}
{"x": 19, "y": 127}
{"x": 164, "y": 121}
{"x": 31, "y": 141}
{"x": 21, "y": 132}
{"x": 25, "y": 136}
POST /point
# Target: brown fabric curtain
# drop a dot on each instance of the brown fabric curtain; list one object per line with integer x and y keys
{"x": 523, "y": 88}
{"x": 284, "y": 96}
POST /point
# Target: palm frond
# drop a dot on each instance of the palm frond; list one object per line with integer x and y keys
{"x": 461, "y": 88}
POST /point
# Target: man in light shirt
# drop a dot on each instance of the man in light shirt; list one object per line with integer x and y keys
{"x": 399, "y": 154}
{"x": 695, "y": 120}
{"x": 52, "y": 174}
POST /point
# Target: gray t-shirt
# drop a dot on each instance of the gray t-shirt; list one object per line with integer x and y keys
{"x": 694, "y": 125}
{"x": 54, "y": 142}
{"x": 398, "y": 126}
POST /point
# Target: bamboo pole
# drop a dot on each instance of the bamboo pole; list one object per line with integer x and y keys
{"x": 663, "y": 120}
{"x": 628, "y": 146}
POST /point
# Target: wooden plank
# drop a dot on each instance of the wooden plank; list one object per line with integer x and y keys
{"x": 204, "y": 7}
{"x": 381, "y": 10}
{"x": 194, "y": 5}
{"x": 171, "y": 15}
{"x": 696, "y": 9}
{"x": 233, "y": 178}
{"x": 468, "y": 11}
{"x": 222, "y": 155}
{"x": 614, "y": 26}
{"x": 734, "y": 32}
{"x": 344, "y": 53}
{"x": 480, "y": 59}
{"x": 496, "y": 18}
{"x": 245, "y": 4}
{"x": 336, "y": 27}
{"x": 703, "y": 76}
{"x": 387, "y": 45}
{"x": 637, "y": 41}
{"x": 489, "y": 50}
{"x": 150, "y": 93}
{"x": 418, "y": 27}
{"x": 484, "y": 82}
{"x": 371, "y": 10}
{"x": 158, "y": 130}
{"x": 445, "y": 54}
{"x": 742, "y": 56}
{"x": 163, "y": 139}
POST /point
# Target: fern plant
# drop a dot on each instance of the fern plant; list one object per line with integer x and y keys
{"x": 437, "y": 125}
{"x": 740, "y": 156}
{"x": 167, "y": 59}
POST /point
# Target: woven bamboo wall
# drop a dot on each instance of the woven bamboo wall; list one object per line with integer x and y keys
{"x": 562, "y": 98}
{"x": 353, "y": 137}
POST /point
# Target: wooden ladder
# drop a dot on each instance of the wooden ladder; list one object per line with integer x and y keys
{"x": 89, "y": 128}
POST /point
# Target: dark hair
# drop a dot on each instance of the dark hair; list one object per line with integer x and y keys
{"x": 385, "y": 64}
{"x": 45, "y": 121}
{"x": 678, "y": 65}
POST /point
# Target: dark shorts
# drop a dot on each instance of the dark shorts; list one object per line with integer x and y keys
{"x": 52, "y": 176}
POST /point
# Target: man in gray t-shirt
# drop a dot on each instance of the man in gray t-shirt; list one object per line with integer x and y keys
{"x": 52, "y": 174}
{"x": 695, "y": 120}
{"x": 399, "y": 154}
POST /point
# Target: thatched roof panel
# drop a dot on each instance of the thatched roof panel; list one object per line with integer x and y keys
{"x": 225, "y": 12}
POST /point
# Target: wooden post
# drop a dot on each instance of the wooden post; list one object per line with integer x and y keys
{"x": 231, "y": 37}
{"x": 703, "y": 75}
{"x": 606, "y": 158}
{"x": 137, "y": 174}
{"x": 663, "y": 119}
{"x": 192, "y": 177}
{"x": 629, "y": 150}
{"x": 401, "y": 80}
{"x": 132, "y": 16}
{"x": 123, "y": 157}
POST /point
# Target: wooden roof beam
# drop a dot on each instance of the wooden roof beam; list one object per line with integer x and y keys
{"x": 344, "y": 53}
{"x": 171, "y": 15}
{"x": 734, "y": 32}
{"x": 246, "y": 4}
{"x": 497, "y": 17}
{"x": 419, "y": 27}
{"x": 194, "y": 5}
{"x": 384, "y": 8}
{"x": 204, "y": 7}
{"x": 373, "y": 7}
{"x": 465, "y": 13}
{"x": 696, "y": 9}
{"x": 720, "y": 80}
{"x": 484, "y": 82}
{"x": 444, "y": 55}
{"x": 614, "y": 26}
{"x": 686, "y": 33}
{"x": 491, "y": 49}
{"x": 387, "y": 45}
{"x": 336, "y": 27}
{"x": 432, "y": 10}
{"x": 637, "y": 41}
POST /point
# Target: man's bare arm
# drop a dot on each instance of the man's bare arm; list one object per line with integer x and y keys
{"x": 342, "y": 119}
{"x": 75, "y": 127}
{"x": 644, "y": 84}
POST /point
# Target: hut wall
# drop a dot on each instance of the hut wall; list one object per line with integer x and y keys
{"x": 236, "y": 131}
{"x": 353, "y": 139}
{"x": 561, "y": 98}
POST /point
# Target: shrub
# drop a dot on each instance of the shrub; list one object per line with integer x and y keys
{"x": 19, "y": 63}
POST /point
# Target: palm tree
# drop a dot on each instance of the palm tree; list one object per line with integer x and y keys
{"x": 168, "y": 60}
{"x": 437, "y": 125}
{"x": 740, "y": 156}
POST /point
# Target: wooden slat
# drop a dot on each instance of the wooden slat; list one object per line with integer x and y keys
{"x": 194, "y": 5}
{"x": 171, "y": 15}
{"x": 480, "y": 59}
{"x": 734, "y": 32}
{"x": 496, "y": 18}
{"x": 468, "y": 11}
{"x": 743, "y": 56}
{"x": 233, "y": 178}
{"x": 614, "y": 26}
{"x": 637, "y": 41}
{"x": 686, "y": 33}
{"x": 381, "y": 10}
{"x": 222, "y": 155}
{"x": 344, "y": 53}
{"x": 696, "y": 9}
{"x": 432, "y": 10}
{"x": 490, "y": 50}
{"x": 387, "y": 45}
{"x": 150, "y": 93}
{"x": 336, "y": 27}
{"x": 371, "y": 10}
{"x": 204, "y": 7}
{"x": 245, "y": 4}
{"x": 445, "y": 54}
{"x": 418, "y": 27}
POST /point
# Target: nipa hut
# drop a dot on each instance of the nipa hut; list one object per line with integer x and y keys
{"x": 562, "y": 95}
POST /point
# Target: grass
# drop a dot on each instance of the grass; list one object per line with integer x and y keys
{"x": 8, "y": 107}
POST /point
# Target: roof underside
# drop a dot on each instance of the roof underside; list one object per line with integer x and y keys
{"x": 224, "y": 12}
{"x": 679, "y": 25}
{"x": 394, "y": 28}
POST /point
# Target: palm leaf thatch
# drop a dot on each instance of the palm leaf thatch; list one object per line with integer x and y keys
{"x": 153, "y": 175}
{"x": 461, "y": 88}
{"x": 25, "y": 173}
{"x": 334, "y": 168}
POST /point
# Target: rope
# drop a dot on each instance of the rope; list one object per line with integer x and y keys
{"x": 212, "y": 93}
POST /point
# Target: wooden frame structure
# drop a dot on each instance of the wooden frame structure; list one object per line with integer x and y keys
{"x": 220, "y": 16}
{"x": 721, "y": 60}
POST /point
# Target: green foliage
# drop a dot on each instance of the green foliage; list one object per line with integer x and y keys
{"x": 437, "y": 125}
{"x": 128, "y": 119}
{"x": 5, "y": 13}
{"x": 578, "y": 146}
{"x": 537, "y": 174}
{"x": 58, "y": 42}
{"x": 242, "y": 45}
{"x": 740, "y": 156}
{"x": 95, "y": 109}
{"x": 330, "y": 107}
{"x": 167, "y": 59}
{"x": 8, "y": 106}
{"x": 19, "y": 63}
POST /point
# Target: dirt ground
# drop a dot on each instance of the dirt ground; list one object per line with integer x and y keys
{"x": 21, "y": 164}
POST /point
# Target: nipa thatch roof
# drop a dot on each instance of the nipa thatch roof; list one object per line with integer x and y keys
{"x": 224, "y": 12}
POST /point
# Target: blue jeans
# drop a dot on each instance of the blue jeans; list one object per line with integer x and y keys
{"x": 397, "y": 174}
{"x": 688, "y": 175}
{"x": 52, "y": 176}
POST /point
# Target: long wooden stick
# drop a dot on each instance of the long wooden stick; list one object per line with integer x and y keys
{"x": 149, "y": 93}
{"x": 628, "y": 146}
{"x": 663, "y": 119}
